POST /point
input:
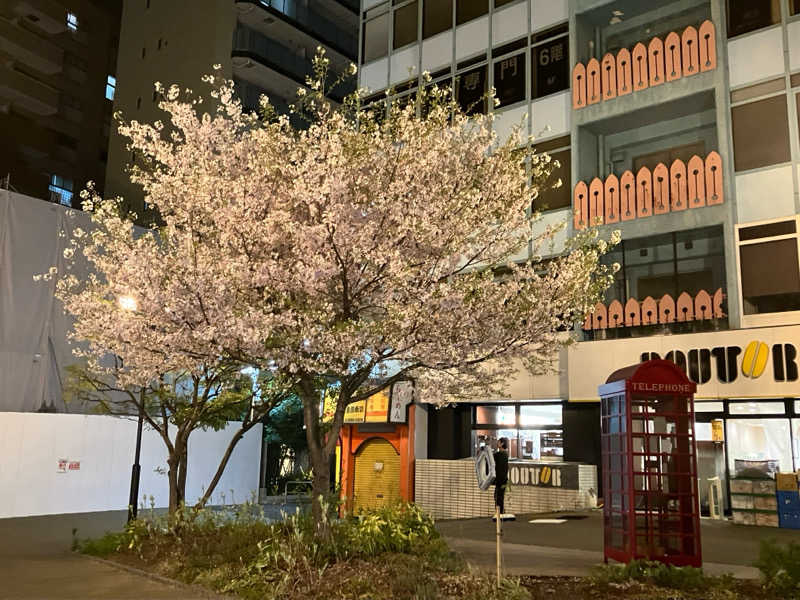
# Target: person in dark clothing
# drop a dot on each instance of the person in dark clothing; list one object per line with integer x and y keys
{"x": 501, "y": 473}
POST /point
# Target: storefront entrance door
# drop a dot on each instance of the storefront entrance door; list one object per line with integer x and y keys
{"x": 377, "y": 475}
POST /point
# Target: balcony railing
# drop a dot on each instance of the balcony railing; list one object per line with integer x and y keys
{"x": 692, "y": 52}
{"x": 650, "y": 311}
{"x": 695, "y": 184}
{"x": 318, "y": 25}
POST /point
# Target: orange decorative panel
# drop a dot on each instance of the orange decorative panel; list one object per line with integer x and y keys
{"x": 714, "y": 193}
{"x": 717, "y": 304}
{"x": 644, "y": 193}
{"x": 666, "y": 309}
{"x": 677, "y": 188}
{"x": 649, "y": 311}
{"x": 600, "y": 316}
{"x": 660, "y": 189}
{"x": 608, "y": 71}
{"x": 593, "y": 92}
{"x": 639, "y": 64}
{"x": 587, "y": 321}
{"x": 627, "y": 197}
{"x": 708, "y": 46}
{"x": 596, "y": 210}
{"x": 685, "y": 308}
{"x": 702, "y": 305}
{"x": 655, "y": 63}
{"x": 579, "y": 86}
{"x": 672, "y": 57}
{"x": 633, "y": 315}
{"x": 624, "y": 72}
{"x": 697, "y": 182}
{"x": 581, "y": 205}
{"x": 611, "y": 198}
{"x": 690, "y": 55}
{"x": 615, "y": 315}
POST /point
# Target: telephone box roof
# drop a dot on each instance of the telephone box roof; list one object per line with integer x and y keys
{"x": 653, "y": 372}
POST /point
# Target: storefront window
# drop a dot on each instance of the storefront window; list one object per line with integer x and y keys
{"x": 701, "y": 407}
{"x": 496, "y": 415}
{"x": 759, "y": 447}
{"x": 757, "y": 408}
{"x": 796, "y": 440}
{"x": 509, "y": 79}
{"x": 534, "y": 431}
{"x": 405, "y": 25}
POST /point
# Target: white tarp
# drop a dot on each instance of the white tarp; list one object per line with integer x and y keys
{"x": 33, "y": 327}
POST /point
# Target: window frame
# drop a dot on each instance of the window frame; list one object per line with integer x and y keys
{"x": 111, "y": 84}
{"x": 773, "y": 318}
{"x": 541, "y": 42}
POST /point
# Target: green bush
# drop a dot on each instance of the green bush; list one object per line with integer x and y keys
{"x": 659, "y": 574}
{"x": 780, "y": 567}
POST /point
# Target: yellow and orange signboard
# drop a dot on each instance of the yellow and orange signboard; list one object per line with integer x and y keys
{"x": 378, "y": 408}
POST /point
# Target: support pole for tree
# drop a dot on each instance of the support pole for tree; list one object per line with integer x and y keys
{"x": 135, "y": 471}
{"x": 498, "y": 535}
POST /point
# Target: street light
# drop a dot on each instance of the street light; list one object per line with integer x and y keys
{"x": 129, "y": 304}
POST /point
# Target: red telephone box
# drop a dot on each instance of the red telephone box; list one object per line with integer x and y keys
{"x": 651, "y": 507}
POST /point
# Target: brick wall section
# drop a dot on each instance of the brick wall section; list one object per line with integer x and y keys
{"x": 447, "y": 489}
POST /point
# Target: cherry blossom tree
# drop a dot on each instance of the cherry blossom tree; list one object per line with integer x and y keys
{"x": 376, "y": 245}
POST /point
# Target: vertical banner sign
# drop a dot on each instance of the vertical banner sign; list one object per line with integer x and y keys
{"x": 329, "y": 406}
{"x": 717, "y": 432}
{"x": 402, "y": 396}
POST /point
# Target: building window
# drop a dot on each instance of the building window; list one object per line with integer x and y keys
{"x": 471, "y": 90}
{"x": 405, "y": 25}
{"x": 436, "y": 17}
{"x": 111, "y": 87}
{"x": 794, "y": 7}
{"x": 466, "y": 10}
{"x": 60, "y": 190}
{"x": 760, "y": 133}
{"x": 376, "y": 34}
{"x": 749, "y": 15}
{"x": 147, "y": 4}
{"x": 72, "y": 21}
{"x": 770, "y": 269}
{"x": 534, "y": 431}
{"x": 551, "y": 197}
{"x": 499, "y": 3}
{"x": 509, "y": 79}
{"x": 550, "y": 64}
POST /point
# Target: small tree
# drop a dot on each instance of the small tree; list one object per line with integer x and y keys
{"x": 375, "y": 245}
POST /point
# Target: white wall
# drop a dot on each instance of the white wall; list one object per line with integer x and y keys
{"x": 756, "y": 56}
{"x": 31, "y": 445}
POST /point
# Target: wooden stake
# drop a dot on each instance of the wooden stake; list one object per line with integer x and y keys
{"x": 498, "y": 528}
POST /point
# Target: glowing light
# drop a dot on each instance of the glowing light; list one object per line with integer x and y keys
{"x": 128, "y": 303}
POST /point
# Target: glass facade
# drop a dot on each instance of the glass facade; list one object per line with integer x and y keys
{"x": 534, "y": 431}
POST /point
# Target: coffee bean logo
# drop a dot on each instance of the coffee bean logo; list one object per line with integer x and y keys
{"x": 544, "y": 476}
{"x": 755, "y": 359}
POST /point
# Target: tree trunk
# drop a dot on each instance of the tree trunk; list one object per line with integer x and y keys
{"x": 172, "y": 476}
{"x": 177, "y": 475}
{"x": 320, "y": 489}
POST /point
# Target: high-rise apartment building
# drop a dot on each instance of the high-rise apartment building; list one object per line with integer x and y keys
{"x": 676, "y": 123}
{"x": 265, "y": 46}
{"x": 57, "y": 85}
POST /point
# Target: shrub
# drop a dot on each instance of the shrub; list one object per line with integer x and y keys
{"x": 659, "y": 574}
{"x": 780, "y": 567}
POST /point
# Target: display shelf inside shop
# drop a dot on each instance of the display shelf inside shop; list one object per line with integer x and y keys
{"x": 754, "y": 502}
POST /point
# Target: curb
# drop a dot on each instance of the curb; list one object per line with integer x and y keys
{"x": 196, "y": 590}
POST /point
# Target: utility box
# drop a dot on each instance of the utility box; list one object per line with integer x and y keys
{"x": 651, "y": 508}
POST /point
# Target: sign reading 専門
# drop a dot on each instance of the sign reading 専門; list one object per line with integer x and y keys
{"x": 562, "y": 476}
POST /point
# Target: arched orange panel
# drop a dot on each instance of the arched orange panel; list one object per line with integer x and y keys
{"x": 672, "y": 57}
{"x": 578, "y": 86}
{"x": 702, "y": 305}
{"x": 661, "y": 189}
{"x": 714, "y": 193}
{"x": 627, "y": 196}
{"x": 677, "y": 188}
{"x": 608, "y": 75}
{"x": 581, "y": 205}
{"x": 633, "y": 313}
{"x": 587, "y": 322}
{"x": 639, "y": 65}
{"x": 600, "y": 316}
{"x": 717, "y": 304}
{"x": 644, "y": 193}
{"x": 611, "y": 199}
{"x": 655, "y": 61}
{"x": 684, "y": 308}
{"x": 695, "y": 172}
{"x": 624, "y": 72}
{"x": 707, "y": 39}
{"x": 690, "y": 55}
{"x": 593, "y": 90}
{"x": 666, "y": 309}
{"x": 649, "y": 311}
{"x": 615, "y": 315}
{"x": 596, "y": 210}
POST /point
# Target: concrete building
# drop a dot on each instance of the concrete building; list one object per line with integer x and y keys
{"x": 265, "y": 46}
{"x": 57, "y": 83}
{"x": 676, "y": 123}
